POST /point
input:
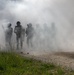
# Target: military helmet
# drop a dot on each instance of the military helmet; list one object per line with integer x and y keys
{"x": 27, "y": 24}
{"x": 30, "y": 24}
{"x": 9, "y": 25}
{"x": 18, "y": 22}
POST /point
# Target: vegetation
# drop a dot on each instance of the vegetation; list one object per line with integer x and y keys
{"x": 15, "y": 64}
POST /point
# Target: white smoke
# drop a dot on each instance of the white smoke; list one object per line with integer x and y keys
{"x": 39, "y": 12}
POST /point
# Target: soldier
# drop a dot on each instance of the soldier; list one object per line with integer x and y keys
{"x": 18, "y": 32}
{"x": 8, "y": 35}
{"x": 53, "y": 36}
{"x": 29, "y": 34}
{"x": 53, "y": 30}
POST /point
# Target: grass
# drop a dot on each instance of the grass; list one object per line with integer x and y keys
{"x": 14, "y": 64}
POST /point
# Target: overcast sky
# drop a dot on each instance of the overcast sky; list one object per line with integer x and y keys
{"x": 15, "y": 9}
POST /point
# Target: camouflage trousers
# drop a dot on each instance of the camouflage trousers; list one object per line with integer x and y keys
{"x": 19, "y": 41}
{"x": 8, "y": 42}
{"x": 30, "y": 41}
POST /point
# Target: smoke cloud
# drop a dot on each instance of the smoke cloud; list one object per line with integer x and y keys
{"x": 42, "y": 14}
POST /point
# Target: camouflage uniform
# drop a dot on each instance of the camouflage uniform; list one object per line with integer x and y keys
{"x": 29, "y": 33}
{"x": 8, "y": 36}
{"x": 18, "y": 32}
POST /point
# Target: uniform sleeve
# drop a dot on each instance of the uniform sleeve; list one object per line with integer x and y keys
{"x": 15, "y": 30}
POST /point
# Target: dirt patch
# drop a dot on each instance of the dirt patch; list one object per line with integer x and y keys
{"x": 65, "y": 59}
{"x": 66, "y": 54}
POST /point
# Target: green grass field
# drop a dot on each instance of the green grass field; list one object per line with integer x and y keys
{"x": 15, "y": 64}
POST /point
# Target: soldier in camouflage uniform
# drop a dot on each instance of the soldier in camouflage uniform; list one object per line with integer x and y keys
{"x": 29, "y": 33}
{"x": 18, "y": 31}
{"x": 8, "y": 35}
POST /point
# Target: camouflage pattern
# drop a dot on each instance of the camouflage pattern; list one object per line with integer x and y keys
{"x": 8, "y": 36}
{"x": 30, "y": 34}
{"x": 19, "y": 35}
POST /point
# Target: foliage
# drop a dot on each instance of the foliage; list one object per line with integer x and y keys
{"x": 15, "y": 64}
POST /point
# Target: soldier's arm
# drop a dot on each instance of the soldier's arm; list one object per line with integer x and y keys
{"x": 15, "y": 30}
{"x": 11, "y": 30}
{"x": 26, "y": 31}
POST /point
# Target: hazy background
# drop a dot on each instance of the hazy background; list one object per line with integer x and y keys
{"x": 39, "y": 13}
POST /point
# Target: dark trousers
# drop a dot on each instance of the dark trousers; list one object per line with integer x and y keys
{"x": 30, "y": 41}
{"x": 8, "y": 42}
{"x": 19, "y": 42}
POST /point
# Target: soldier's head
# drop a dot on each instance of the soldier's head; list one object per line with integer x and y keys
{"x": 18, "y": 23}
{"x": 30, "y": 24}
{"x": 9, "y": 25}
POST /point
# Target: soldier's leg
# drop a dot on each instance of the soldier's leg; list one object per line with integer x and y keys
{"x": 17, "y": 39}
{"x": 10, "y": 45}
{"x": 7, "y": 43}
{"x": 28, "y": 41}
{"x": 21, "y": 42}
{"x": 31, "y": 41}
